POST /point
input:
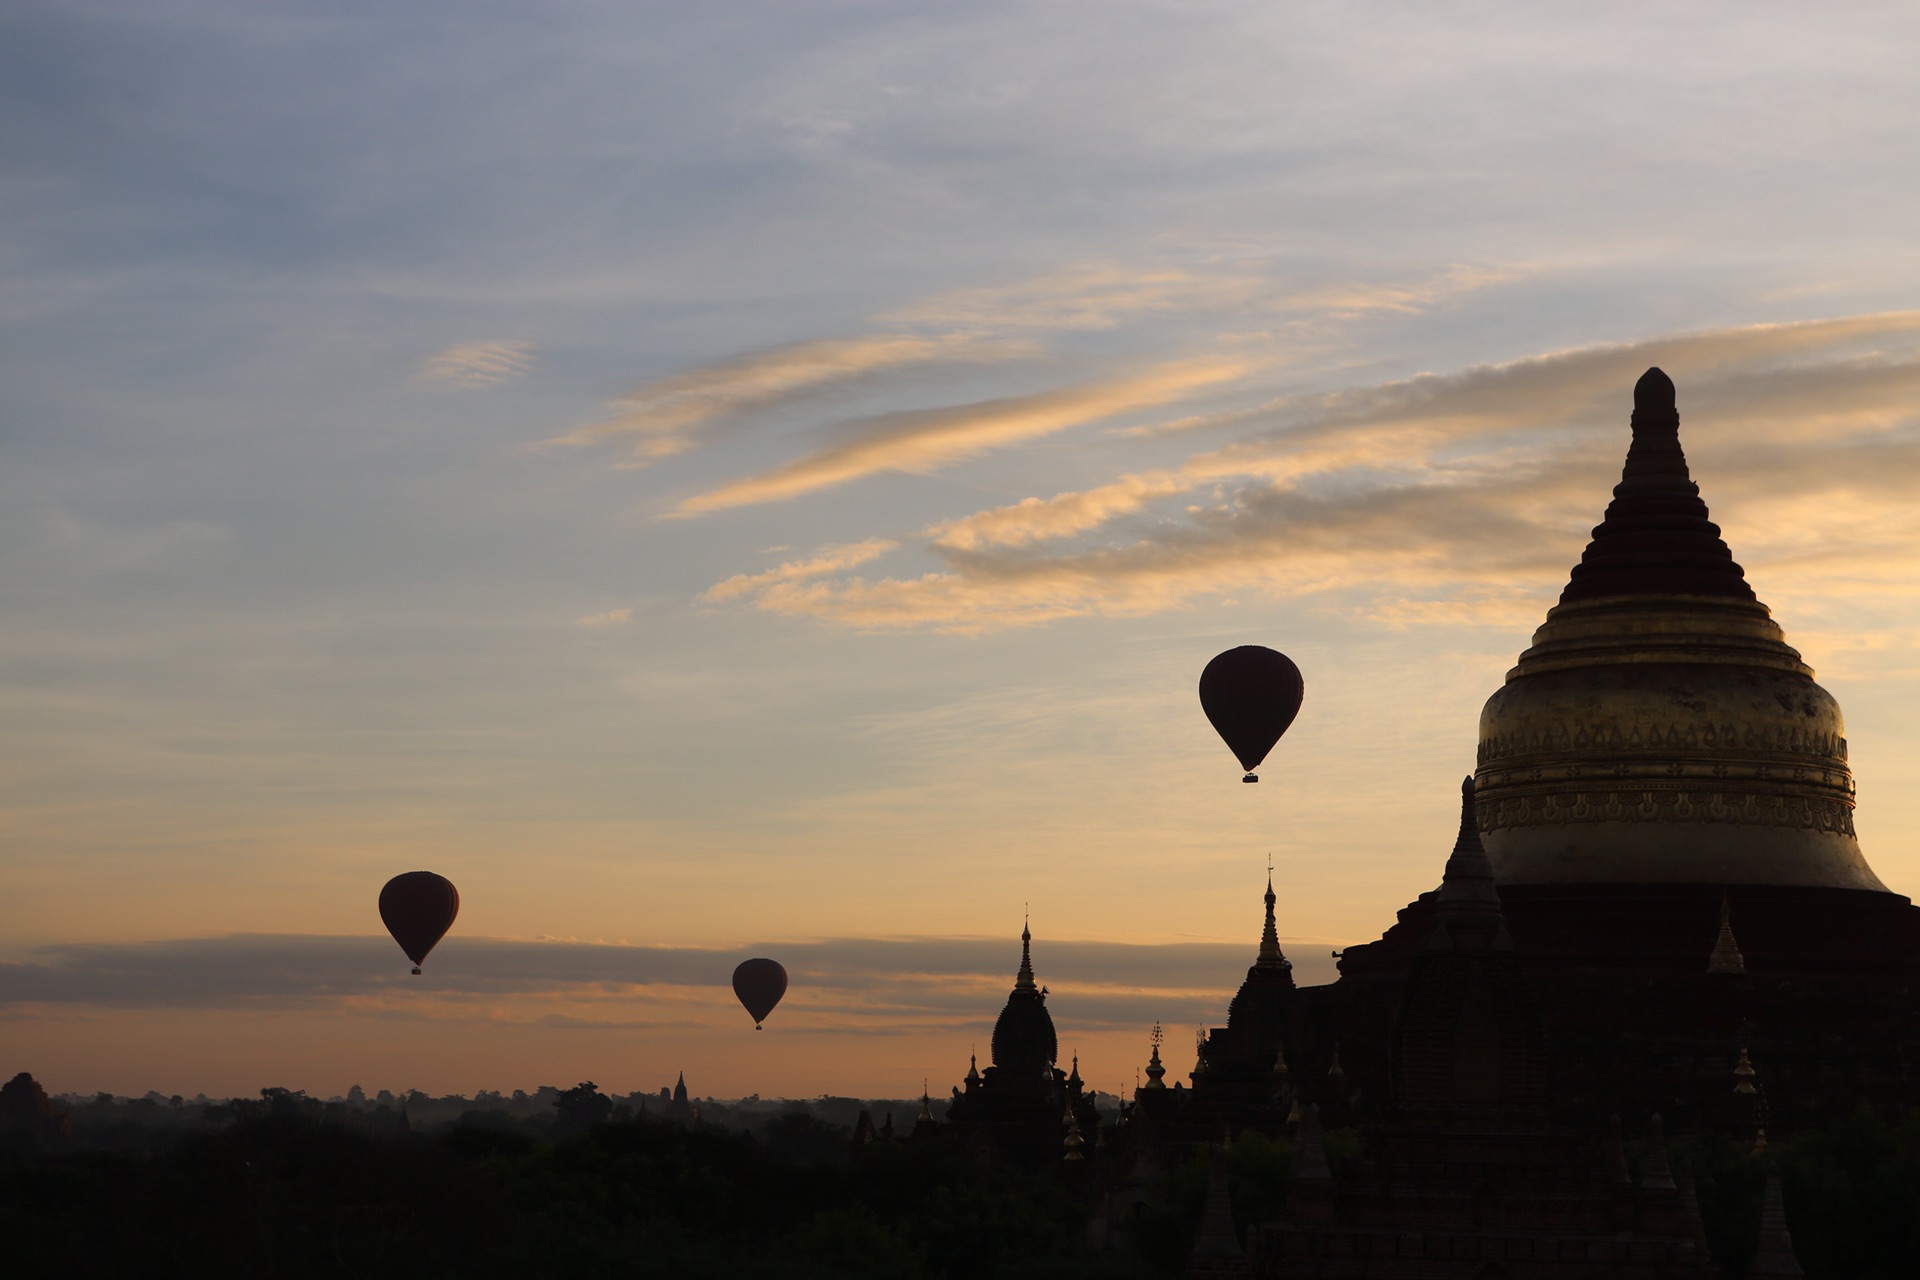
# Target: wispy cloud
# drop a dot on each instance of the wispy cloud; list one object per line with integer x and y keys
{"x": 1041, "y": 519}
{"x": 611, "y": 618}
{"x": 477, "y": 364}
{"x": 665, "y": 417}
{"x": 670, "y": 416}
{"x": 1476, "y": 485}
{"x": 925, "y": 440}
{"x": 1090, "y": 296}
{"x": 826, "y": 560}
{"x": 1095, "y": 296}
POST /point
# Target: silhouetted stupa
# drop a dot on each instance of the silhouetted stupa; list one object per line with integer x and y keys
{"x": 1659, "y": 771}
{"x": 1023, "y": 1108}
{"x": 1242, "y": 1077}
{"x": 1659, "y": 729}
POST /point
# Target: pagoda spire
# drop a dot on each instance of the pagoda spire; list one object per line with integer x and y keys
{"x": 1726, "y": 956}
{"x": 1743, "y": 1074}
{"x": 1155, "y": 1070}
{"x": 1024, "y": 1041}
{"x": 1655, "y": 538}
{"x": 1024, "y": 982}
{"x": 1270, "y": 953}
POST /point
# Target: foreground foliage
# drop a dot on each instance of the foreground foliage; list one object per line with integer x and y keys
{"x": 281, "y": 1188}
{"x": 291, "y": 1186}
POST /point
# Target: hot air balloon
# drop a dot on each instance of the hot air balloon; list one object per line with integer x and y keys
{"x": 419, "y": 907}
{"x": 1251, "y": 694}
{"x": 759, "y": 984}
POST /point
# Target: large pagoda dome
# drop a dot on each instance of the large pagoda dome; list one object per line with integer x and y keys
{"x": 1660, "y": 730}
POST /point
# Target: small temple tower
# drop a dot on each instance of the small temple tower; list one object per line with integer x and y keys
{"x": 1241, "y": 1079}
{"x": 1018, "y": 1107}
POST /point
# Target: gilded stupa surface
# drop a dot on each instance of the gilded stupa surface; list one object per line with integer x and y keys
{"x": 1660, "y": 730}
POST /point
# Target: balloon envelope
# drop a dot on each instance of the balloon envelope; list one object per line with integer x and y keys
{"x": 1251, "y": 694}
{"x": 419, "y": 907}
{"x": 759, "y": 983}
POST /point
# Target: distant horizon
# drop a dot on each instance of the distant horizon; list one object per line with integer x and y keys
{"x": 401, "y": 1095}
{"x": 945, "y": 995}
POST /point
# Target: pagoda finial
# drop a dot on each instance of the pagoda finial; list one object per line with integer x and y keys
{"x": 1654, "y": 395}
{"x": 1655, "y": 451}
{"x": 1155, "y": 1070}
{"x": 1270, "y": 954}
{"x": 1025, "y": 981}
{"x": 1726, "y": 956}
{"x": 1075, "y": 1141}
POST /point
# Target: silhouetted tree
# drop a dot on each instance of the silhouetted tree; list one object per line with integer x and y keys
{"x": 580, "y": 1108}
{"x": 28, "y": 1116}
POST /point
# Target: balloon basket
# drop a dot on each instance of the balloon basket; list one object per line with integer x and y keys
{"x": 416, "y": 971}
{"x": 756, "y": 1026}
{"x": 1252, "y": 777}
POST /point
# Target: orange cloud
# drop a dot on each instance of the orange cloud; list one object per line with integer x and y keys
{"x": 663, "y": 417}
{"x": 827, "y": 560}
{"x": 667, "y": 416}
{"x": 1473, "y": 485}
{"x": 925, "y": 440}
{"x": 477, "y": 364}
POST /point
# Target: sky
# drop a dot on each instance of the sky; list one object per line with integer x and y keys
{"x": 764, "y": 479}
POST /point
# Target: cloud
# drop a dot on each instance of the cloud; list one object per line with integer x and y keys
{"x": 1413, "y": 537}
{"x": 925, "y": 440}
{"x": 664, "y": 417}
{"x": 826, "y": 560}
{"x": 611, "y": 618}
{"x": 1096, "y": 296}
{"x": 1037, "y": 519}
{"x": 477, "y": 364}
{"x": 1443, "y": 498}
{"x": 1090, "y": 296}
{"x": 668, "y": 416}
{"x": 874, "y": 985}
